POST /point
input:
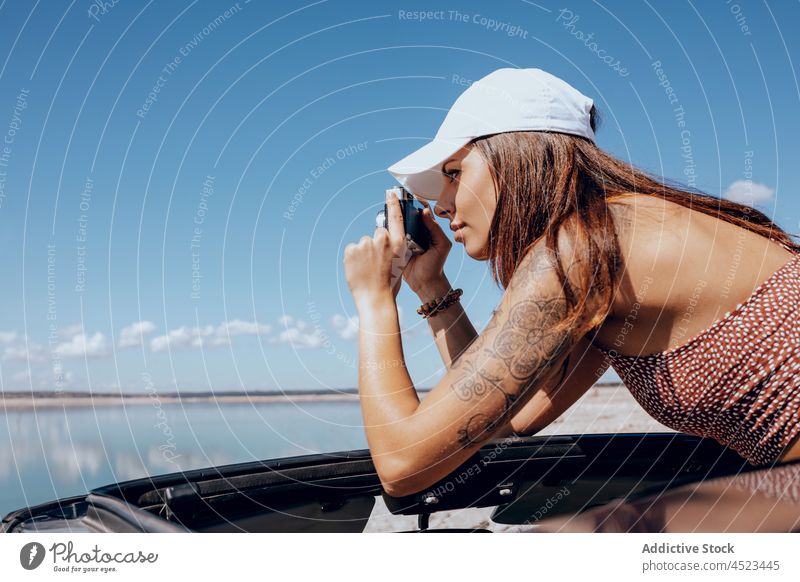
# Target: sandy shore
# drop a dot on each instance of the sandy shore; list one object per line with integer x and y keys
{"x": 600, "y": 410}
{"x": 26, "y": 402}
{"x": 600, "y": 406}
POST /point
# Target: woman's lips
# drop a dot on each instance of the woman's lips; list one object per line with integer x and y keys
{"x": 458, "y": 236}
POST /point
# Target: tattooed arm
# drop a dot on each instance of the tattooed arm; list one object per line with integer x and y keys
{"x": 584, "y": 366}
{"x": 518, "y": 352}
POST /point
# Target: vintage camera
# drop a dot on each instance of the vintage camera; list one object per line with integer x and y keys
{"x": 417, "y": 235}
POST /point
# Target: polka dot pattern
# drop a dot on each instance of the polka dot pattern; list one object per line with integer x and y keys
{"x": 738, "y": 381}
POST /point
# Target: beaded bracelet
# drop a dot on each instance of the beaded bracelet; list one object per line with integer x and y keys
{"x": 447, "y": 302}
{"x": 434, "y": 306}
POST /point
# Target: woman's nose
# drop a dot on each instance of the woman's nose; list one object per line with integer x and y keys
{"x": 441, "y": 210}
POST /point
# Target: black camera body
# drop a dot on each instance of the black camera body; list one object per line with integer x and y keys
{"x": 417, "y": 235}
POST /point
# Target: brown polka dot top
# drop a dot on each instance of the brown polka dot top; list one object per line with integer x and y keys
{"x": 738, "y": 381}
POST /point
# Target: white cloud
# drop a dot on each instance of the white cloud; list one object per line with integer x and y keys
{"x": 133, "y": 335}
{"x": 749, "y": 192}
{"x": 301, "y": 340}
{"x": 289, "y": 322}
{"x": 238, "y": 327}
{"x": 184, "y": 338}
{"x": 6, "y": 337}
{"x": 299, "y": 334}
{"x": 18, "y": 350}
{"x": 181, "y": 339}
{"x": 70, "y": 331}
{"x": 81, "y": 345}
{"x": 345, "y": 327}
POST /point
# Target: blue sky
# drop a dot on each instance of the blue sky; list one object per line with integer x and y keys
{"x": 178, "y": 180}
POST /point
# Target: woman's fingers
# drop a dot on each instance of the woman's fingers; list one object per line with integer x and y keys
{"x": 437, "y": 234}
{"x": 394, "y": 219}
{"x": 424, "y": 202}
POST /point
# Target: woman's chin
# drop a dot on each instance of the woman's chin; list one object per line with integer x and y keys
{"x": 478, "y": 255}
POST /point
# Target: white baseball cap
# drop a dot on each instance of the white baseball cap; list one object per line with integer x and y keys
{"x": 505, "y": 100}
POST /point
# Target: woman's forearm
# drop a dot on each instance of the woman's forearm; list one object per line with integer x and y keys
{"x": 452, "y": 330}
{"x": 386, "y": 391}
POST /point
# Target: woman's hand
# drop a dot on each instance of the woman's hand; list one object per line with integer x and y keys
{"x": 427, "y": 269}
{"x": 374, "y": 266}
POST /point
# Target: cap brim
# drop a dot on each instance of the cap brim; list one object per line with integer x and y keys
{"x": 421, "y": 171}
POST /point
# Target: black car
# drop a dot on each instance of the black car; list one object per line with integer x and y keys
{"x": 643, "y": 482}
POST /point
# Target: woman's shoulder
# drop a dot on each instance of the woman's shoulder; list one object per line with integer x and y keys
{"x": 564, "y": 271}
{"x": 671, "y": 250}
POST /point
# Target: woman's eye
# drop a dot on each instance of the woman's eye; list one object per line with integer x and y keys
{"x": 452, "y": 174}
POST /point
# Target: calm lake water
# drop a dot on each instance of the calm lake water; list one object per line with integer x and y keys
{"x": 53, "y": 452}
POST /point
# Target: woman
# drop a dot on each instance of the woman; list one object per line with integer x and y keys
{"x": 693, "y": 300}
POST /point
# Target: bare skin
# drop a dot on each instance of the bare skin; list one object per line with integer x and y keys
{"x": 687, "y": 255}
{"x": 682, "y": 259}
{"x": 414, "y": 444}
{"x": 689, "y": 263}
{"x": 521, "y": 372}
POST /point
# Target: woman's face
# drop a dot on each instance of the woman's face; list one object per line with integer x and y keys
{"x": 468, "y": 200}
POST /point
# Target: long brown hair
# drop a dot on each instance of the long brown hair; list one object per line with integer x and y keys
{"x": 544, "y": 179}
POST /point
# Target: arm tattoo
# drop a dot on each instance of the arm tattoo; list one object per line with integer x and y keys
{"x": 524, "y": 348}
{"x": 475, "y": 344}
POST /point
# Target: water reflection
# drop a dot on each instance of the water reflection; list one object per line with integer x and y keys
{"x": 56, "y": 452}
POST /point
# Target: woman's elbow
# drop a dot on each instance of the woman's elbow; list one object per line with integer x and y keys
{"x": 398, "y": 479}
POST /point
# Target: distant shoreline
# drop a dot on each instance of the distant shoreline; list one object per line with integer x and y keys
{"x": 86, "y": 400}
{"x": 89, "y": 402}
{"x": 29, "y": 400}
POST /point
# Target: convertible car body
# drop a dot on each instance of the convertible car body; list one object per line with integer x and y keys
{"x": 643, "y": 482}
